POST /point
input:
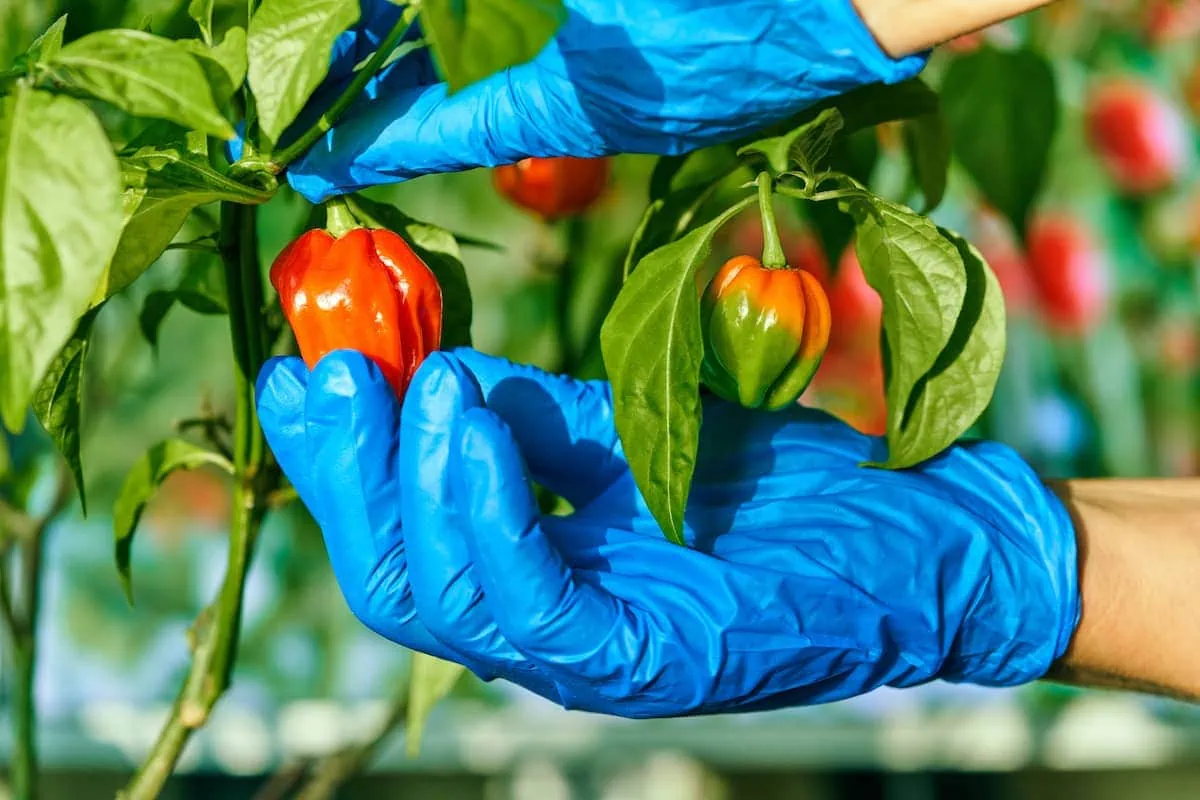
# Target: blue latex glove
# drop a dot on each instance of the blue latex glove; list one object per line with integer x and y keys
{"x": 807, "y": 578}
{"x": 622, "y": 76}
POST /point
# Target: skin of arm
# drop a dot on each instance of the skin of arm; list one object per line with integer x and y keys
{"x": 904, "y": 27}
{"x": 1139, "y": 554}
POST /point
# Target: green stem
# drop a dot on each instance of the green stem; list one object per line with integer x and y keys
{"x": 24, "y": 711}
{"x": 772, "y": 256}
{"x": 339, "y": 219}
{"x": 218, "y": 626}
{"x": 327, "y": 120}
{"x": 19, "y": 614}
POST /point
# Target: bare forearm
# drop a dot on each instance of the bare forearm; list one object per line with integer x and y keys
{"x": 1139, "y": 562}
{"x": 903, "y": 27}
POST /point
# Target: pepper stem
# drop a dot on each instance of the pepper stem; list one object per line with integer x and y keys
{"x": 772, "y": 256}
{"x": 339, "y": 219}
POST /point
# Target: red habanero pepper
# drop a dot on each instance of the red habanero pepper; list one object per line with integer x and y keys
{"x": 553, "y": 188}
{"x": 365, "y": 291}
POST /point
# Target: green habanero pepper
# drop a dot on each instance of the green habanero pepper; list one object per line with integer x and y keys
{"x": 765, "y": 331}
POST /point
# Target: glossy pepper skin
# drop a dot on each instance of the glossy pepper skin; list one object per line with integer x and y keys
{"x": 553, "y": 188}
{"x": 765, "y": 331}
{"x": 365, "y": 291}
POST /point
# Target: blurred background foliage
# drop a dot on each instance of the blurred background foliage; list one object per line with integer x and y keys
{"x": 1102, "y": 377}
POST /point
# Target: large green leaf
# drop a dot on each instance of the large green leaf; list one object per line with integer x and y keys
{"x": 144, "y": 75}
{"x": 289, "y": 45}
{"x": 60, "y": 219}
{"x": 140, "y": 485}
{"x": 921, "y": 279}
{"x": 163, "y": 185}
{"x": 58, "y": 401}
{"x": 223, "y": 64}
{"x": 1002, "y": 110}
{"x": 440, "y": 252}
{"x": 948, "y": 399}
{"x": 473, "y": 40}
{"x": 877, "y": 103}
{"x": 653, "y": 346}
{"x": 432, "y": 679}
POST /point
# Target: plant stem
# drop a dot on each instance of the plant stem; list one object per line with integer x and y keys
{"x": 331, "y": 772}
{"x": 772, "y": 256}
{"x": 327, "y": 120}
{"x": 217, "y": 628}
{"x": 20, "y": 619}
{"x": 339, "y": 219}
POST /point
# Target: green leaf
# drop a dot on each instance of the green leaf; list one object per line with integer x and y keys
{"x": 698, "y": 168}
{"x": 927, "y": 142}
{"x": 201, "y": 289}
{"x": 289, "y": 45}
{"x": 60, "y": 218}
{"x": 432, "y": 679}
{"x": 58, "y": 401}
{"x": 653, "y": 347}
{"x": 224, "y": 64}
{"x": 805, "y": 145}
{"x": 1002, "y": 112}
{"x": 473, "y": 40}
{"x": 202, "y": 12}
{"x": 44, "y": 47}
{"x": 163, "y": 185}
{"x": 949, "y": 399}
{"x": 144, "y": 75}
{"x": 680, "y": 188}
{"x": 140, "y": 485}
{"x": 921, "y": 278}
{"x": 440, "y": 252}
{"x": 877, "y": 103}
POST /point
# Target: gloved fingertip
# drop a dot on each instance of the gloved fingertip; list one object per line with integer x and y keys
{"x": 346, "y": 373}
{"x": 441, "y": 387}
{"x": 282, "y": 383}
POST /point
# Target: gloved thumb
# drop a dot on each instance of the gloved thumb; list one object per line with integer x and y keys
{"x": 398, "y": 131}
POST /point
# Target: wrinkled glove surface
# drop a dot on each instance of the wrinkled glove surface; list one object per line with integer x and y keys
{"x": 621, "y": 76}
{"x": 807, "y": 578}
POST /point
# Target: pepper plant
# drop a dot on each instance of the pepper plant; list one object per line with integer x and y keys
{"x": 86, "y": 209}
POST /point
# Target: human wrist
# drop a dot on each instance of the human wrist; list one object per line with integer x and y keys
{"x": 903, "y": 27}
{"x": 1139, "y": 545}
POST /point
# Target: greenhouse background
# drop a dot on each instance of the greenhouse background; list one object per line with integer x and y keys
{"x": 1110, "y": 387}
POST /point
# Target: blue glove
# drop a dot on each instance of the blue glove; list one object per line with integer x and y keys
{"x": 806, "y": 579}
{"x": 622, "y": 76}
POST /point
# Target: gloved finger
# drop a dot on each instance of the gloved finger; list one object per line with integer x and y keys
{"x": 447, "y": 595}
{"x": 563, "y": 624}
{"x": 279, "y": 393}
{"x": 563, "y": 427}
{"x": 353, "y": 424}
{"x": 445, "y": 592}
{"x": 403, "y": 132}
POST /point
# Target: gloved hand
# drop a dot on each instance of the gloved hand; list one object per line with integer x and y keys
{"x": 807, "y": 578}
{"x": 622, "y": 76}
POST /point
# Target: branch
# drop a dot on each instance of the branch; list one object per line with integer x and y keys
{"x": 349, "y": 95}
{"x": 333, "y": 770}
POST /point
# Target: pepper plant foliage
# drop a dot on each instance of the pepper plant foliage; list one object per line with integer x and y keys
{"x": 86, "y": 209}
{"x": 943, "y": 315}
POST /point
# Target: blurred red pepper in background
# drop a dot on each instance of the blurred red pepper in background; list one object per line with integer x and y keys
{"x": 1139, "y": 136}
{"x": 553, "y": 188}
{"x": 1070, "y": 273}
